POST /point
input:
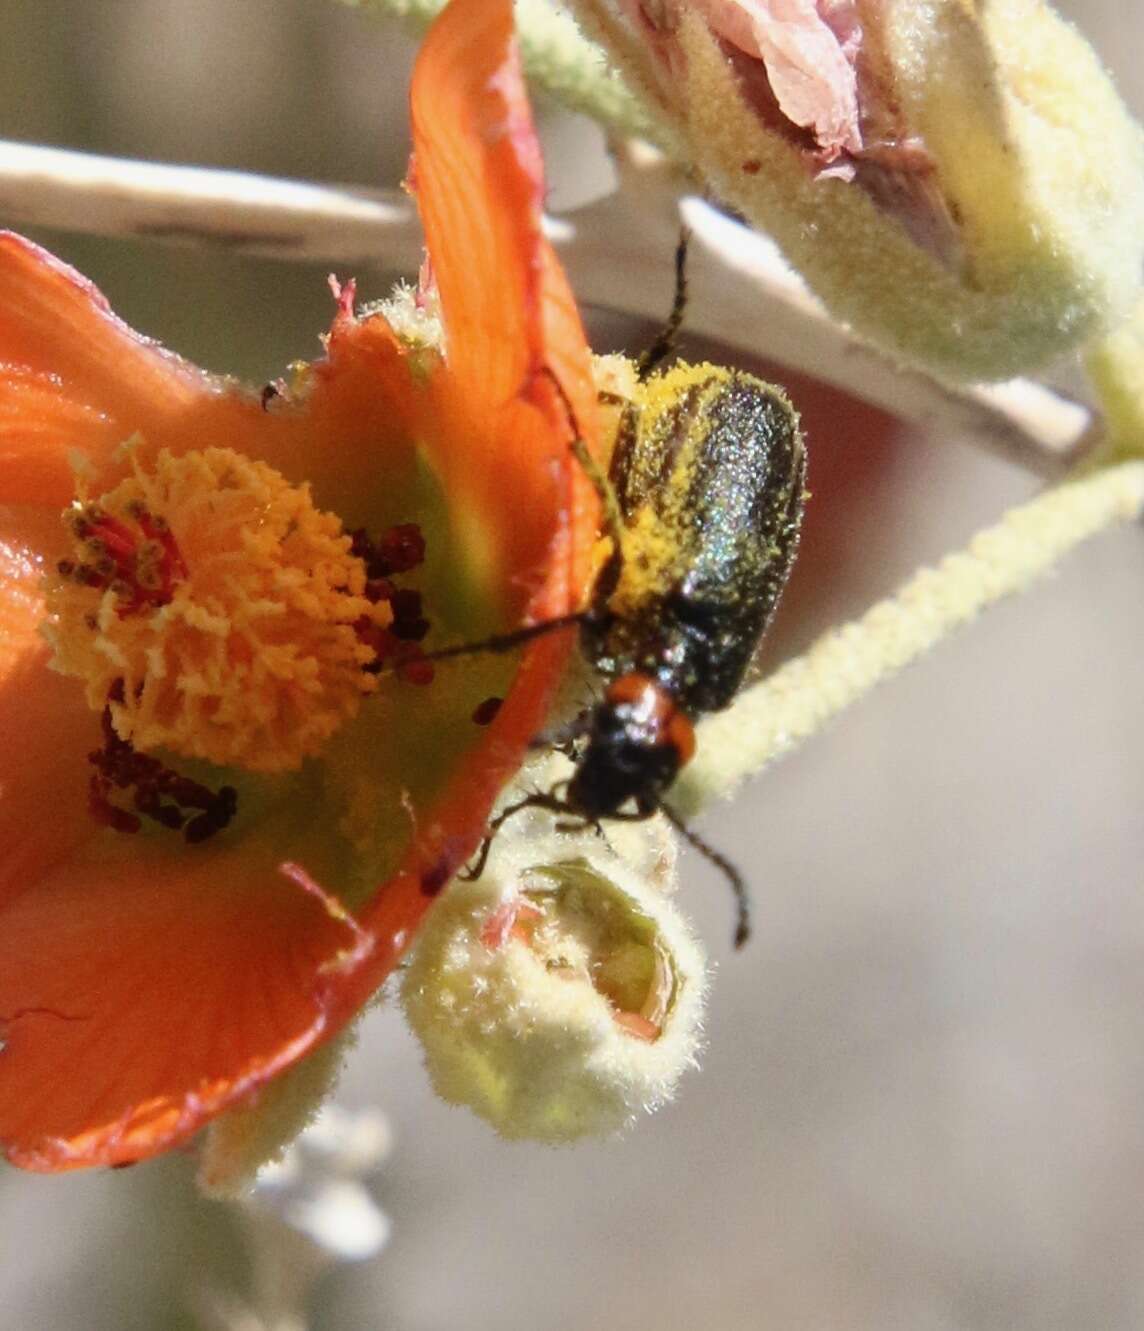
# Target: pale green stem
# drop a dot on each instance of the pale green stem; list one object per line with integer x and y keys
{"x": 1116, "y": 367}
{"x": 775, "y": 716}
{"x": 559, "y": 59}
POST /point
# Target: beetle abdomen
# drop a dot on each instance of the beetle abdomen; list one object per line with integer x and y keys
{"x": 709, "y": 473}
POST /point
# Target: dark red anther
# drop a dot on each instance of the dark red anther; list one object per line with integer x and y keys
{"x": 149, "y": 803}
{"x": 199, "y": 829}
{"x": 379, "y": 640}
{"x": 378, "y": 590}
{"x": 106, "y": 813}
{"x": 415, "y": 669}
{"x": 226, "y": 804}
{"x": 401, "y": 548}
{"x": 434, "y": 878}
{"x": 361, "y": 547}
{"x": 485, "y": 712}
{"x": 190, "y": 794}
{"x": 409, "y": 625}
{"x": 160, "y": 794}
{"x": 215, "y": 818}
{"x": 411, "y": 630}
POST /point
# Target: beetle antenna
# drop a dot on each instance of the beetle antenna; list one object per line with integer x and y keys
{"x": 505, "y": 642}
{"x": 664, "y": 344}
{"x": 724, "y": 865}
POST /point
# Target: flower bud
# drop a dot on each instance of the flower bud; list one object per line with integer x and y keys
{"x": 957, "y": 180}
{"x": 556, "y": 996}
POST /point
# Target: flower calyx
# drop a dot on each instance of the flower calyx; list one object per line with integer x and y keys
{"x": 559, "y": 995}
{"x": 960, "y": 182}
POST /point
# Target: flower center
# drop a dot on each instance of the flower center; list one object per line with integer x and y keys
{"x": 220, "y": 615}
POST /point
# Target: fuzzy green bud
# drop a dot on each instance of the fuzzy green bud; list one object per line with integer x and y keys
{"x": 958, "y": 180}
{"x": 557, "y": 996}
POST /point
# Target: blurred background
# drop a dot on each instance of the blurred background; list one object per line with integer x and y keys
{"x": 922, "y": 1102}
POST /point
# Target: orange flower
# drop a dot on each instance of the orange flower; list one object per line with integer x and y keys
{"x": 152, "y": 978}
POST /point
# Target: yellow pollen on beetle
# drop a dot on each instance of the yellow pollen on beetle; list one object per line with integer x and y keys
{"x": 217, "y": 608}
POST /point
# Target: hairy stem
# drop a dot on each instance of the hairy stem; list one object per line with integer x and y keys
{"x": 617, "y": 251}
{"x": 797, "y": 700}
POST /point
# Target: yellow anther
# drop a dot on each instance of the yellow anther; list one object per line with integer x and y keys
{"x": 235, "y": 630}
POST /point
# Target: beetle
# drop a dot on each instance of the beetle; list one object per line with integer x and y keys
{"x": 703, "y": 502}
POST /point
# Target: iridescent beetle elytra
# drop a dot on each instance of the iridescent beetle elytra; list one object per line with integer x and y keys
{"x": 703, "y": 501}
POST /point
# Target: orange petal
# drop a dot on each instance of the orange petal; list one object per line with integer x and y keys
{"x": 141, "y": 994}
{"x": 190, "y": 981}
{"x": 496, "y": 422}
{"x": 480, "y": 188}
{"x": 72, "y": 375}
{"x": 46, "y": 726}
{"x": 515, "y": 348}
{"x": 517, "y": 367}
{"x": 135, "y": 1006}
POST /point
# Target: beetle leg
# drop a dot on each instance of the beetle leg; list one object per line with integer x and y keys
{"x": 539, "y": 799}
{"x": 564, "y": 739}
